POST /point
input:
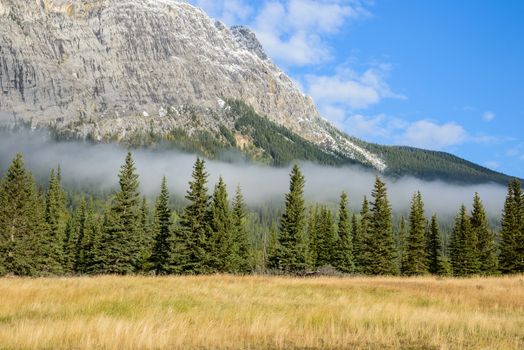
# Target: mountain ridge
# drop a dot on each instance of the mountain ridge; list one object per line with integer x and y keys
{"x": 112, "y": 70}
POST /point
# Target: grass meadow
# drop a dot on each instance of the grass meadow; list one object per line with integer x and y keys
{"x": 257, "y": 312}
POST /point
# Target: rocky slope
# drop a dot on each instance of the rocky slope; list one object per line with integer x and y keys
{"x": 110, "y": 69}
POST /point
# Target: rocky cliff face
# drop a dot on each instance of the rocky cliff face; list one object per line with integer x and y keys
{"x": 111, "y": 68}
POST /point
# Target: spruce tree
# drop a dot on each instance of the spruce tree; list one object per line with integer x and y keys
{"x": 192, "y": 235}
{"x": 290, "y": 254}
{"x": 121, "y": 231}
{"x": 401, "y": 239}
{"x": 415, "y": 260}
{"x": 56, "y": 217}
{"x": 163, "y": 249}
{"x": 437, "y": 262}
{"x": 345, "y": 260}
{"x": 361, "y": 231}
{"x": 22, "y": 223}
{"x": 145, "y": 239}
{"x": 511, "y": 224}
{"x": 241, "y": 254}
{"x": 222, "y": 243}
{"x": 379, "y": 245}
{"x": 485, "y": 238}
{"x": 312, "y": 236}
{"x": 325, "y": 239}
{"x": 463, "y": 246}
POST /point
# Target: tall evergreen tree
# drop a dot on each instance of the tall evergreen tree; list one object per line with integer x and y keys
{"x": 437, "y": 262}
{"x": 379, "y": 246}
{"x": 241, "y": 254}
{"x": 361, "y": 235}
{"x": 511, "y": 225}
{"x": 222, "y": 243}
{"x": 485, "y": 238}
{"x": 163, "y": 249}
{"x": 56, "y": 217}
{"x": 192, "y": 235}
{"x": 312, "y": 236}
{"x": 74, "y": 234}
{"x": 291, "y": 252}
{"x": 463, "y": 246}
{"x": 415, "y": 260}
{"x": 22, "y": 223}
{"x": 325, "y": 239}
{"x": 345, "y": 258}
{"x": 401, "y": 238}
{"x": 121, "y": 231}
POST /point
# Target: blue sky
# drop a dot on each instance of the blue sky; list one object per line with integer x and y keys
{"x": 443, "y": 75}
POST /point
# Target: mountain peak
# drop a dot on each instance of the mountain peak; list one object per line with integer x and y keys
{"x": 248, "y": 39}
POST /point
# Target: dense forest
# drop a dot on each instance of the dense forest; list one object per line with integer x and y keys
{"x": 48, "y": 231}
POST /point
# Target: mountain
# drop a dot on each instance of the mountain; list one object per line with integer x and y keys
{"x": 142, "y": 71}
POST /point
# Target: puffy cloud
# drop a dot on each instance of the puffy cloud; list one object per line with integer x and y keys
{"x": 488, "y": 116}
{"x": 228, "y": 11}
{"x": 351, "y": 90}
{"x": 426, "y": 134}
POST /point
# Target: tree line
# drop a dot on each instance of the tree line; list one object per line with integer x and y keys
{"x": 42, "y": 233}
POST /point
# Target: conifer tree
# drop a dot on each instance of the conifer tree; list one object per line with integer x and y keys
{"x": 345, "y": 259}
{"x": 56, "y": 219}
{"x": 437, "y": 262}
{"x": 145, "y": 239}
{"x": 121, "y": 231}
{"x": 325, "y": 239}
{"x": 362, "y": 237}
{"x": 400, "y": 241}
{"x": 463, "y": 246}
{"x": 192, "y": 235}
{"x": 291, "y": 252}
{"x": 486, "y": 245}
{"x": 222, "y": 243}
{"x": 511, "y": 238}
{"x": 415, "y": 260}
{"x": 22, "y": 223}
{"x": 355, "y": 234}
{"x": 312, "y": 236}
{"x": 163, "y": 249}
{"x": 379, "y": 246}
{"x": 241, "y": 254}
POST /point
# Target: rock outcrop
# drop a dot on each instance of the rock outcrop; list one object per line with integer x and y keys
{"x": 110, "y": 68}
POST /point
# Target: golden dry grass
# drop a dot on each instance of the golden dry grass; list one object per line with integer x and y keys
{"x": 226, "y": 312}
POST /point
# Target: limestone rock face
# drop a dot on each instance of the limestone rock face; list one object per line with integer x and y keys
{"x": 109, "y": 68}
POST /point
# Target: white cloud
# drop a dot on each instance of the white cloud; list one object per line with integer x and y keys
{"x": 351, "y": 90}
{"x": 427, "y": 134}
{"x": 228, "y": 11}
{"x": 488, "y": 116}
{"x": 293, "y": 32}
{"x": 493, "y": 165}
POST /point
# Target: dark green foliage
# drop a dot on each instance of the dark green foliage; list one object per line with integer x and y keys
{"x": 432, "y": 165}
{"x": 486, "y": 241}
{"x": 239, "y": 260}
{"x": 463, "y": 246}
{"x": 400, "y": 242}
{"x": 280, "y": 145}
{"x": 220, "y": 222}
{"x": 312, "y": 236}
{"x": 290, "y": 254}
{"x": 415, "y": 260}
{"x": 163, "y": 252}
{"x": 379, "y": 247}
{"x": 511, "y": 258}
{"x": 121, "y": 230}
{"x": 192, "y": 233}
{"x": 56, "y": 219}
{"x": 361, "y": 234}
{"x": 22, "y": 224}
{"x": 437, "y": 262}
{"x": 325, "y": 239}
{"x": 344, "y": 245}
{"x": 145, "y": 239}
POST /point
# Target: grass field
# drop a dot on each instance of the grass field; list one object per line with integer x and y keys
{"x": 225, "y": 312}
